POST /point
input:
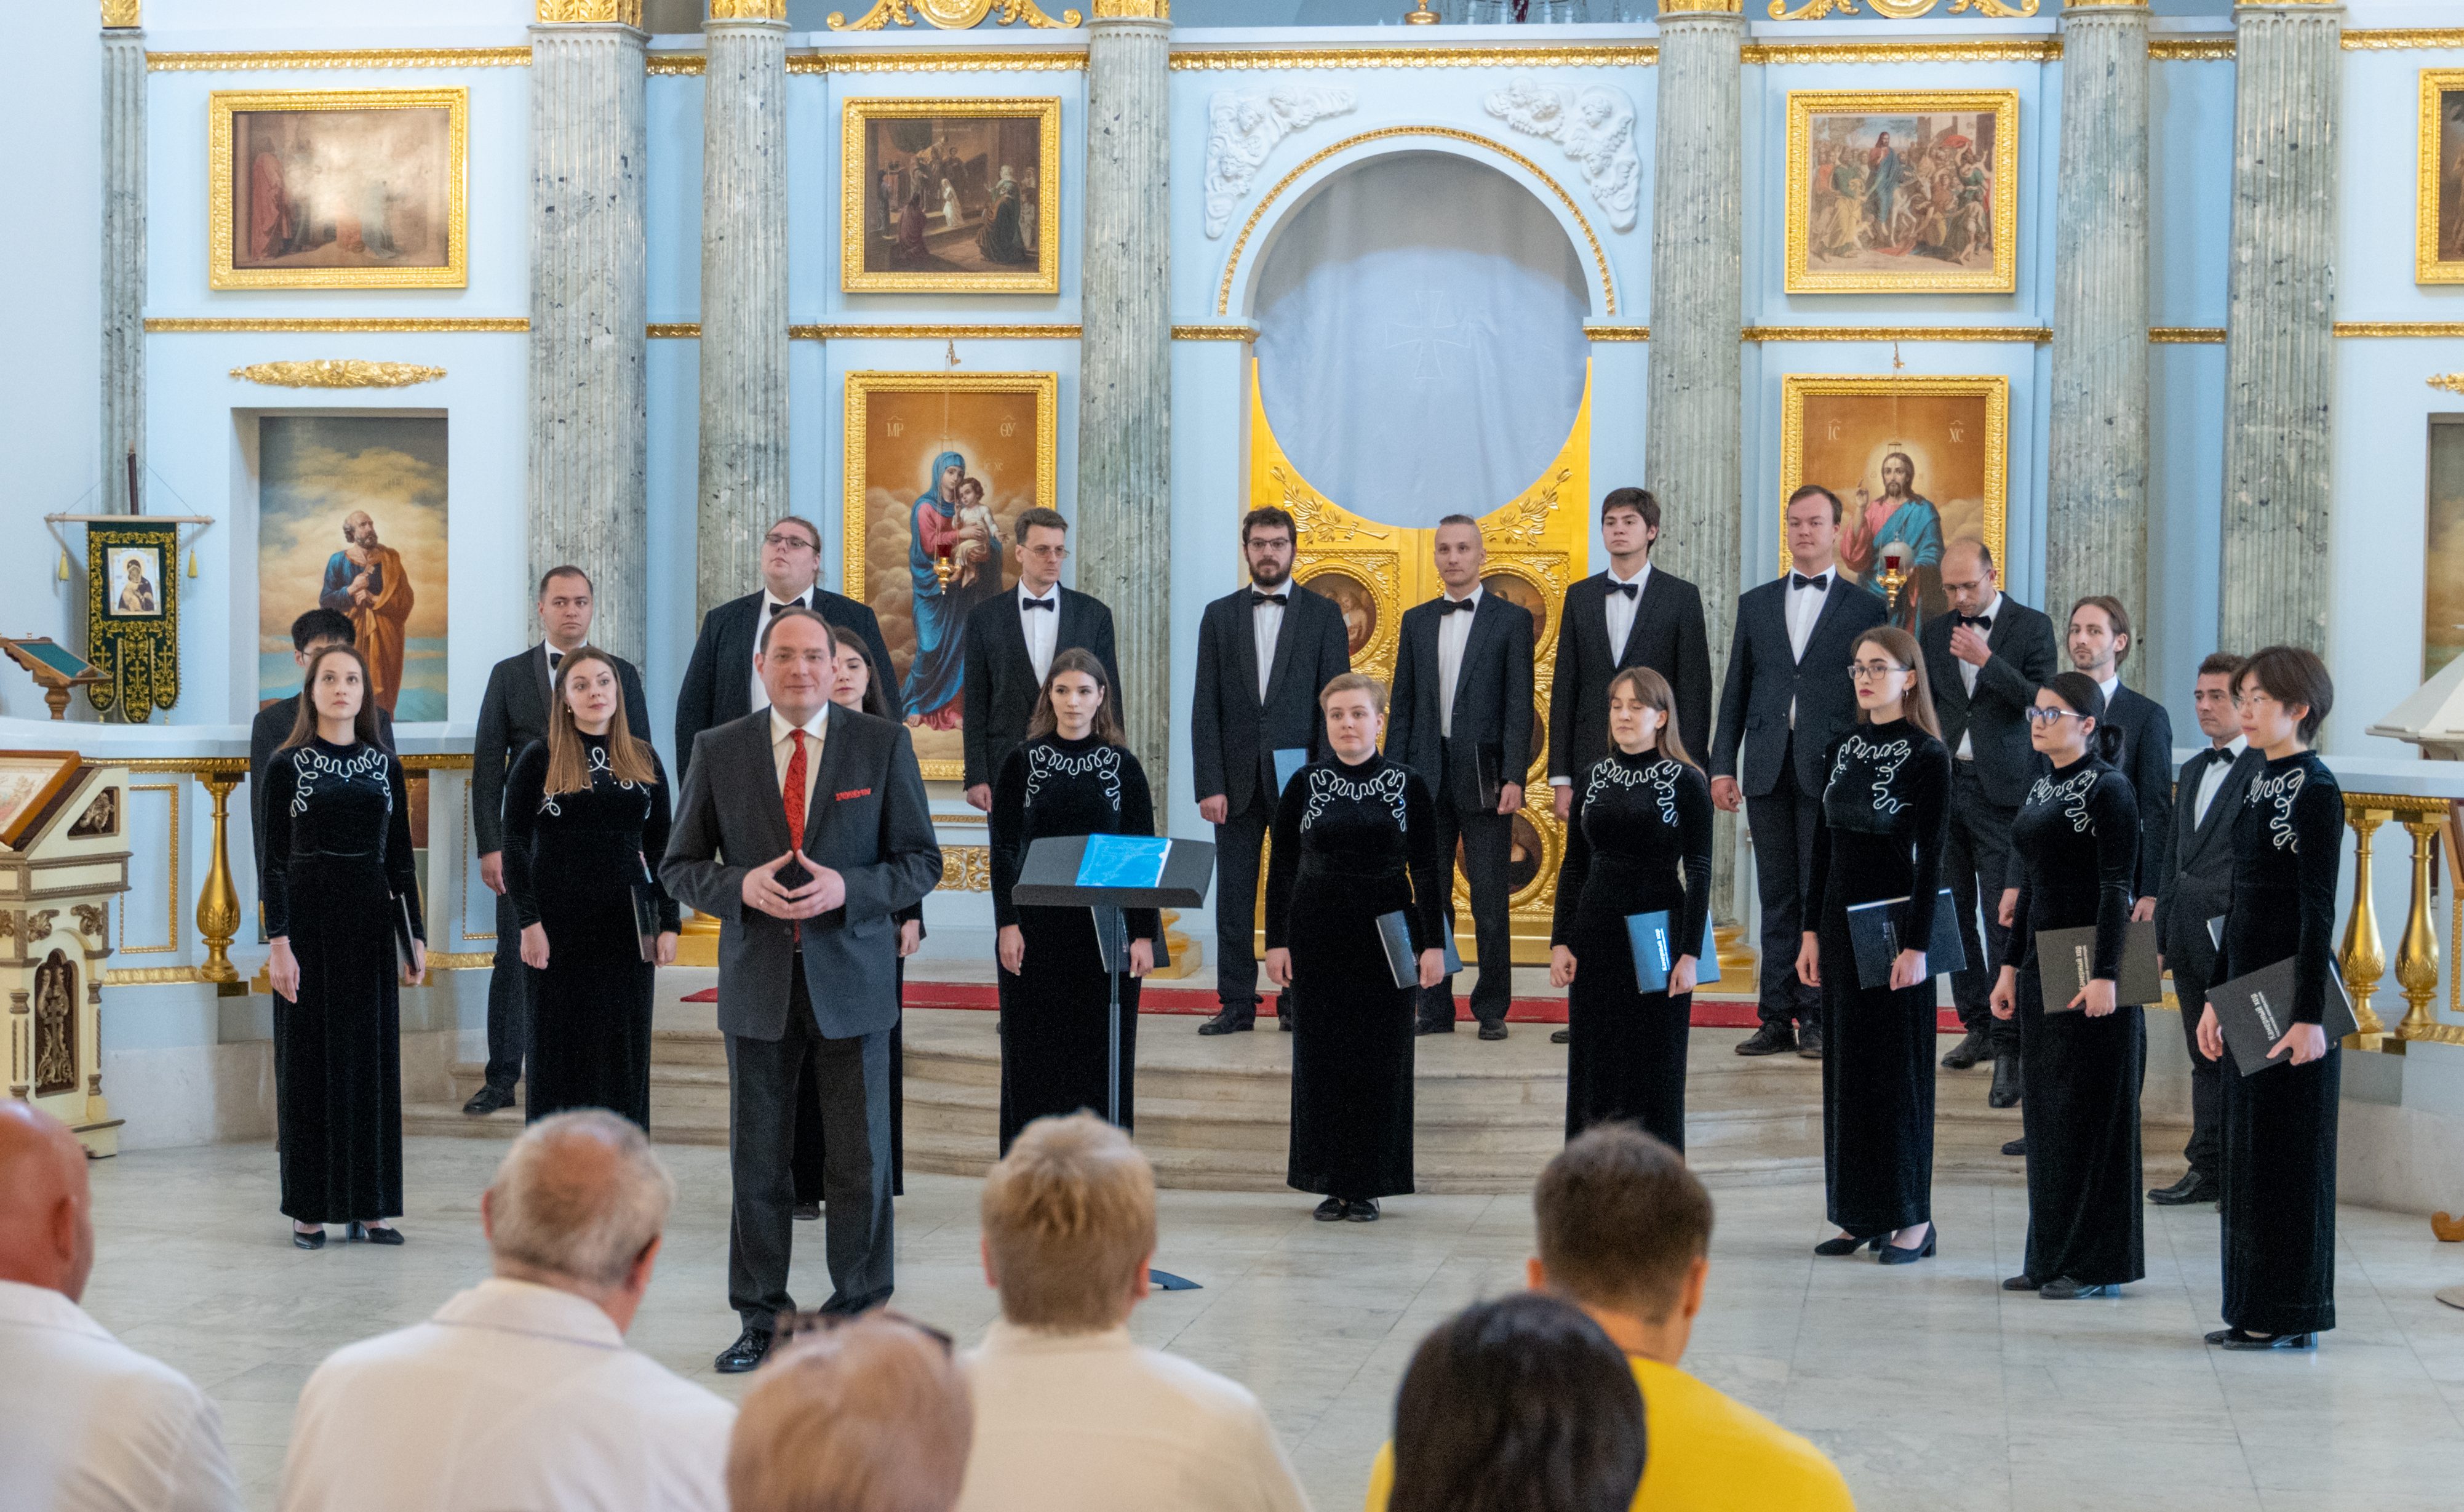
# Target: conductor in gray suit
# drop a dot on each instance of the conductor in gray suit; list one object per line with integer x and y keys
{"x": 803, "y": 829}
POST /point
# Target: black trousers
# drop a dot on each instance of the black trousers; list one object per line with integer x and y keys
{"x": 1783, "y": 821}
{"x": 1975, "y": 861}
{"x": 1488, "y": 839}
{"x": 1238, "y": 842}
{"x": 851, "y": 1077}
{"x": 2191, "y": 969}
{"x": 509, "y": 1001}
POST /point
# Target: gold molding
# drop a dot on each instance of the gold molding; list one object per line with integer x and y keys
{"x": 171, "y": 924}
{"x": 1702, "y": 7}
{"x": 153, "y": 975}
{"x": 338, "y": 372}
{"x": 119, "y": 16}
{"x": 960, "y": 16}
{"x": 748, "y": 9}
{"x": 2388, "y": 40}
{"x": 224, "y": 766}
{"x": 1994, "y": 388}
{"x": 1906, "y": 10}
{"x": 1215, "y": 60}
{"x": 2190, "y": 48}
{"x": 343, "y": 57}
{"x": 662, "y": 64}
{"x": 1133, "y": 9}
{"x": 855, "y": 195}
{"x": 1600, "y": 332}
{"x": 177, "y": 325}
{"x": 2360, "y": 328}
{"x": 2032, "y": 335}
{"x": 2437, "y": 86}
{"x": 672, "y": 330}
{"x": 221, "y": 270}
{"x": 460, "y": 960}
{"x": 580, "y": 13}
{"x": 2452, "y": 382}
{"x": 1983, "y": 50}
{"x": 971, "y": 61}
{"x": 1055, "y": 332}
{"x": 966, "y": 868}
{"x": 1600, "y": 258}
{"x": 2186, "y": 335}
{"x": 440, "y": 760}
{"x": 1215, "y": 333}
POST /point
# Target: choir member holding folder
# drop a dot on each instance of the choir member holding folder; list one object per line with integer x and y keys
{"x": 2082, "y": 1051}
{"x": 1885, "y": 813}
{"x": 1632, "y": 901}
{"x": 1074, "y": 775}
{"x": 2279, "y": 1118}
{"x": 1355, "y": 838}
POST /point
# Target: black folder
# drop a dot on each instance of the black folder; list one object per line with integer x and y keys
{"x": 404, "y": 934}
{"x": 2255, "y": 1008}
{"x": 2066, "y": 958}
{"x": 1489, "y": 757}
{"x": 1874, "y": 934}
{"x": 1402, "y": 961}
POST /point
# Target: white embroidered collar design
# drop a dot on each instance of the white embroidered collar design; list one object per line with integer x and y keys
{"x": 1660, "y": 776}
{"x": 2071, "y": 793}
{"x": 311, "y": 763}
{"x": 598, "y": 767}
{"x": 1326, "y": 785}
{"x": 1044, "y": 761}
{"x": 1887, "y": 759}
{"x": 2279, "y": 792}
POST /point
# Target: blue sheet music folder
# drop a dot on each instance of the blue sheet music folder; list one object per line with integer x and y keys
{"x": 1123, "y": 860}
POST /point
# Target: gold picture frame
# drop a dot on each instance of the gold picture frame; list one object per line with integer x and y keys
{"x": 873, "y": 232}
{"x": 2441, "y": 205}
{"x": 977, "y": 417}
{"x": 1849, "y": 263}
{"x": 1839, "y": 429}
{"x": 328, "y": 232}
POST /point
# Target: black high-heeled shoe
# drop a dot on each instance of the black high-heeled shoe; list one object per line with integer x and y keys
{"x": 308, "y": 1238}
{"x": 2237, "y": 1339}
{"x": 1842, "y": 1244}
{"x": 1909, "y": 1255}
{"x": 381, "y": 1234}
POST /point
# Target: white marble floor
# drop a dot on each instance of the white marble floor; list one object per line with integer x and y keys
{"x": 1931, "y": 1387}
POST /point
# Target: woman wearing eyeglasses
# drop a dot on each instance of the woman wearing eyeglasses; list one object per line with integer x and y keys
{"x": 1886, "y": 816}
{"x": 2075, "y": 842}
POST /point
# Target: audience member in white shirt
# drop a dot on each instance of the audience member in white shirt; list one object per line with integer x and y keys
{"x": 86, "y": 1423}
{"x": 521, "y": 1392}
{"x": 870, "y": 1414}
{"x": 1070, "y": 1413}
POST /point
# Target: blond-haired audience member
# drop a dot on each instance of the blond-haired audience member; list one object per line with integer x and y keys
{"x": 1071, "y": 1415}
{"x": 870, "y": 1414}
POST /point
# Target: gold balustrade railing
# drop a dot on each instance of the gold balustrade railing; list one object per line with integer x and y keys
{"x": 2362, "y": 956}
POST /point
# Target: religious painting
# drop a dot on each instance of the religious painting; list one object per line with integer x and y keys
{"x": 351, "y": 517}
{"x": 2442, "y": 566}
{"x": 338, "y": 188}
{"x": 29, "y": 782}
{"x": 132, "y": 588}
{"x": 1359, "y": 606}
{"x": 951, "y": 196}
{"x": 1917, "y": 463}
{"x": 1520, "y": 592}
{"x": 2439, "y": 236}
{"x": 1903, "y": 192}
{"x": 939, "y": 466}
{"x": 133, "y": 615}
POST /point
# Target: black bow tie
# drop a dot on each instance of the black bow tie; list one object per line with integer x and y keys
{"x": 1820, "y": 580}
{"x": 1977, "y": 621}
{"x": 1026, "y": 604}
{"x": 777, "y": 610}
{"x": 1256, "y": 597}
{"x": 554, "y": 657}
{"x": 1632, "y": 590}
{"x": 1447, "y": 606}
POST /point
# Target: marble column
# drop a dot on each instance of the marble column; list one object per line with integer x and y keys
{"x": 588, "y": 487}
{"x": 2280, "y": 313}
{"x": 123, "y": 254}
{"x": 743, "y": 293}
{"x": 2096, "y": 517}
{"x": 1694, "y": 436}
{"x": 1124, "y": 518}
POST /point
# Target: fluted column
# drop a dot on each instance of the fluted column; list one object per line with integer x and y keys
{"x": 1124, "y": 527}
{"x": 2096, "y": 517}
{"x": 123, "y": 252}
{"x": 589, "y": 501}
{"x": 1694, "y": 436}
{"x": 2280, "y": 311}
{"x": 743, "y": 291}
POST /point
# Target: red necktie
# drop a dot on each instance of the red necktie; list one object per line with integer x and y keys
{"x": 795, "y": 796}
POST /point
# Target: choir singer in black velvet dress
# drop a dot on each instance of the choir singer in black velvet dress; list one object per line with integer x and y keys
{"x": 1640, "y": 842}
{"x": 2279, "y": 1205}
{"x": 1356, "y": 837}
{"x": 1074, "y": 775}
{"x": 2075, "y": 849}
{"x": 585, "y": 811}
{"x": 1885, "y": 820}
{"x": 337, "y": 859}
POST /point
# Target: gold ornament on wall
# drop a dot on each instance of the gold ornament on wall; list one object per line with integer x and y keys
{"x": 748, "y": 9}
{"x": 120, "y": 15}
{"x": 332, "y": 372}
{"x": 1905, "y": 10}
{"x": 620, "y": 13}
{"x": 955, "y": 15}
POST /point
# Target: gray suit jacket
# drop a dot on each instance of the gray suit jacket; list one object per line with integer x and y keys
{"x": 2198, "y": 880}
{"x": 868, "y": 820}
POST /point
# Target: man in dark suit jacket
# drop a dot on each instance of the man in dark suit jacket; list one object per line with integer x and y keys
{"x": 1461, "y": 716}
{"x": 1786, "y": 698}
{"x": 2100, "y": 642}
{"x": 1631, "y": 615}
{"x": 310, "y": 633}
{"x": 1985, "y": 660}
{"x": 719, "y": 683}
{"x": 1011, "y": 640}
{"x": 803, "y": 829}
{"x": 514, "y": 713}
{"x": 2198, "y": 887}
{"x": 1264, "y": 654}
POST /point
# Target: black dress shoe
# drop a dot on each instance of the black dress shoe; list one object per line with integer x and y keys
{"x": 2016, "y": 1149}
{"x": 2006, "y": 1083}
{"x": 308, "y": 1238}
{"x": 1808, "y": 1042}
{"x": 1231, "y": 1021}
{"x": 1493, "y": 1030}
{"x": 2063, "y": 1289}
{"x": 1971, "y": 1048}
{"x": 2237, "y": 1339}
{"x": 1563, "y": 1036}
{"x": 1331, "y": 1210}
{"x": 2193, "y": 1186}
{"x": 1364, "y": 1210}
{"x": 1844, "y": 1244}
{"x": 1911, "y": 1253}
{"x": 374, "y": 1234}
{"x": 806, "y": 1211}
{"x": 750, "y": 1348}
{"x": 1770, "y": 1039}
{"x": 2022, "y": 1283}
{"x": 488, "y": 1100}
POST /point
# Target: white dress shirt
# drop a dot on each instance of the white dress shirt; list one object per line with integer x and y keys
{"x": 1968, "y": 671}
{"x": 769, "y": 600}
{"x": 782, "y": 750}
{"x": 89, "y": 1425}
{"x": 1622, "y": 608}
{"x": 513, "y": 1395}
{"x": 1453, "y": 628}
{"x": 1804, "y": 607}
{"x": 2213, "y": 778}
{"x": 1094, "y": 1422}
{"x": 1042, "y": 626}
{"x": 2109, "y": 687}
{"x": 1266, "y": 622}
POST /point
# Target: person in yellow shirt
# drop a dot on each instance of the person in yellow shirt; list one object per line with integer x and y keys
{"x": 1625, "y": 1235}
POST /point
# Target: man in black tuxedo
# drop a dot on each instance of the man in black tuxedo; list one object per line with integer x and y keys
{"x": 1011, "y": 640}
{"x": 2100, "y": 643}
{"x": 310, "y": 633}
{"x": 2198, "y": 887}
{"x": 720, "y": 683}
{"x": 1631, "y": 615}
{"x": 1264, "y": 653}
{"x": 1985, "y": 660}
{"x": 1786, "y": 698}
{"x": 1462, "y": 718}
{"x": 803, "y": 829}
{"x": 514, "y": 713}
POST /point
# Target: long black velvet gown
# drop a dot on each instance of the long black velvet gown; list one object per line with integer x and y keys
{"x": 1351, "y": 843}
{"x": 1885, "y": 806}
{"x": 338, "y": 852}
{"x": 1055, "y": 1055}
{"x": 2076, "y": 842}
{"x": 572, "y": 860}
{"x": 2279, "y": 1205}
{"x": 1640, "y": 842}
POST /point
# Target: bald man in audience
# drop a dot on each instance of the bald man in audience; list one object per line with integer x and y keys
{"x": 521, "y": 1392}
{"x": 86, "y": 1423}
{"x": 870, "y": 1414}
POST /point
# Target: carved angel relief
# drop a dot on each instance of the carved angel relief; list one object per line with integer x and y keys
{"x": 1593, "y": 123}
{"x": 1242, "y": 129}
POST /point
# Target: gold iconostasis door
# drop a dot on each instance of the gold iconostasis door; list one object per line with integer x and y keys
{"x": 1539, "y": 543}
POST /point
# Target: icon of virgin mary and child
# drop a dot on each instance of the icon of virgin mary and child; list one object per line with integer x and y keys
{"x": 950, "y": 519}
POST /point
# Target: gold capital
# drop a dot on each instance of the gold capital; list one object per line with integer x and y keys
{"x": 1702, "y": 7}
{"x": 748, "y": 9}
{"x": 1133, "y": 9}
{"x": 120, "y": 15}
{"x": 621, "y": 12}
